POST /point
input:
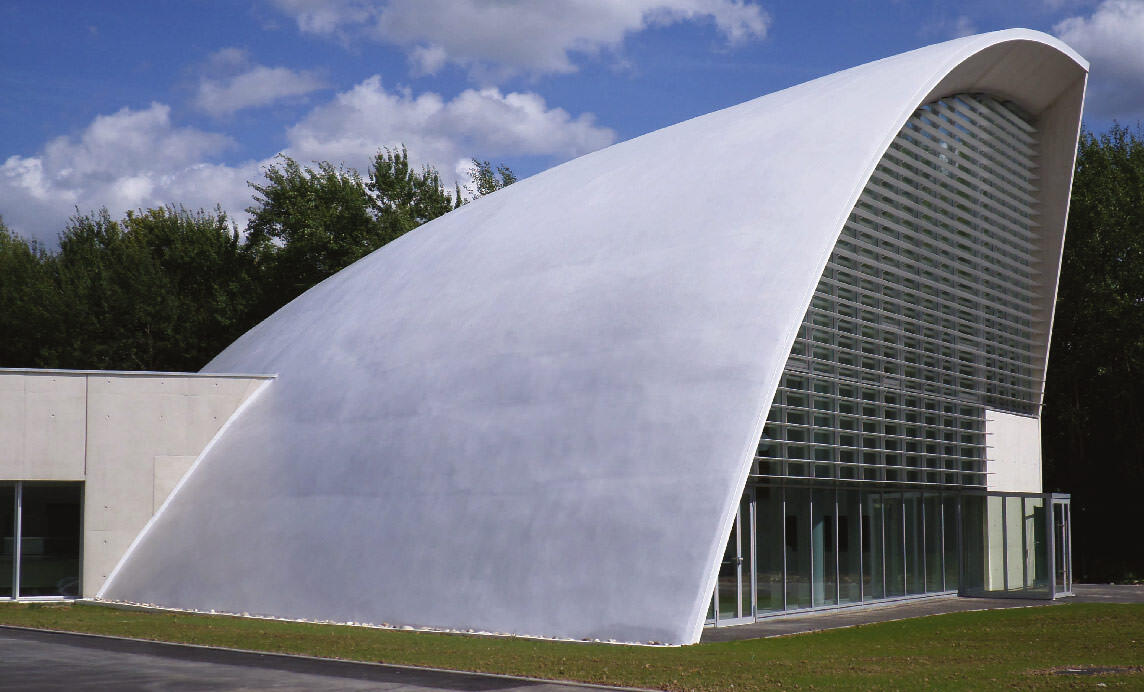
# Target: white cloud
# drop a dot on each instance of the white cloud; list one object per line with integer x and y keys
{"x": 964, "y": 26}
{"x": 1112, "y": 39}
{"x": 445, "y": 134}
{"x": 327, "y": 16}
{"x": 249, "y": 86}
{"x": 126, "y": 160}
{"x": 495, "y": 39}
{"x": 139, "y": 159}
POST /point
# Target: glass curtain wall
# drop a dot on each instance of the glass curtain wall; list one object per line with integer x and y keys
{"x": 1013, "y": 545}
{"x": 836, "y": 549}
{"x": 823, "y": 547}
{"x": 40, "y": 533}
{"x": 922, "y": 320}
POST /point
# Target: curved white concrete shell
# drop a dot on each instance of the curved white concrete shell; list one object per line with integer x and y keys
{"x": 536, "y": 414}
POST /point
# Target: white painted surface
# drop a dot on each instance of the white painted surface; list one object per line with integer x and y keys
{"x": 129, "y": 436}
{"x": 1013, "y": 452}
{"x": 536, "y": 414}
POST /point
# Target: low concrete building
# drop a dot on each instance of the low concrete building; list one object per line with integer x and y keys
{"x": 87, "y": 458}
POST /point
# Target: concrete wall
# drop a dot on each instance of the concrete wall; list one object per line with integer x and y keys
{"x": 129, "y": 436}
{"x": 1014, "y": 452}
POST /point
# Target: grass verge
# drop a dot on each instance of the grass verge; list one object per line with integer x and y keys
{"x": 1021, "y": 647}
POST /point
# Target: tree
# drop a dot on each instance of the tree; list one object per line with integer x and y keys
{"x": 1094, "y": 397}
{"x": 308, "y": 223}
{"x": 25, "y": 299}
{"x": 167, "y": 289}
{"x": 163, "y": 289}
{"x": 405, "y": 198}
{"x": 486, "y": 180}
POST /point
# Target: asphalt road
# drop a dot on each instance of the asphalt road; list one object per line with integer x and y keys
{"x": 35, "y": 660}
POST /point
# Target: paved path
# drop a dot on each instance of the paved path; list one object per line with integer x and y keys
{"x": 848, "y": 617}
{"x": 32, "y": 660}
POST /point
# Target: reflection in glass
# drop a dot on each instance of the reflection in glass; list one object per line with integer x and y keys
{"x": 50, "y": 537}
{"x": 915, "y": 549}
{"x": 729, "y": 570}
{"x": 7, "y": 539}
{"x": 746, "y": 564}
{"x": 949, "y": 519}
{"x": 825, "y": 560}
{"x": 932, "y": 509}
{"x": 995, "y": 543}
{"x": 895, "y": 548}
{"x": 1016, "y": 558}
{"x": 974, "y": 542}
{"x": 849, "y": 546}
{"x": 1035, "y": 535}
{"x": 797, "y": 527}
{"x": 873, "y": 555}
{"x": 769, "y": 548}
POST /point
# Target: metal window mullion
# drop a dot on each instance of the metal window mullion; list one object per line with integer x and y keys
{"x": 841, "y": 251}
{"x": 961, "y": 158}
{"x": 886, "y": 328}
{"x": 980, "y": 379}
{"x": 985, "y": 211}
{"x": 933, "y": 171}
{"x": 945, "y": 176}
{"x": 782, "y": 531}
{"x": 1026, "y": 129}
{"x": 990, "y": 113}
{"x": 992, "y": 155}
{"x": 974, "y": 159}
{"x": 984, "y": 394}
{"x": 18, "y": 544}
{"x": 868, "y": 218}
{"x": 907, "y": 223}
{"x": 941, "y": 519}
{"x": 944, "y": 188}
{"x": 1004, "y": 545}
{"x": 928, "y": 311}
{"x": 1003, "y": 143}
{"x": 911, "y": 239}
{"x": 1021, "y": 125}
{"x": 837, "y": 554}
{"x": 898, "y": 332}
{"x": 965, "y": 161}
{"x": 1003, "y": 268}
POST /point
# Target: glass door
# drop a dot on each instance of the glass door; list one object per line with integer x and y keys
{"x": 734, "y": 598}
{"x": 1062, "y": 547}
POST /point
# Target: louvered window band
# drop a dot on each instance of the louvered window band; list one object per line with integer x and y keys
{"x": 923, "y": 317}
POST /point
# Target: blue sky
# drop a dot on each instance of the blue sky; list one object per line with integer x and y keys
{"x": 138, "y": 104}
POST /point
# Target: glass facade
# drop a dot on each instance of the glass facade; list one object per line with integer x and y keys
{"x": 867, "y": 483}
{"x": 40, "y": 535}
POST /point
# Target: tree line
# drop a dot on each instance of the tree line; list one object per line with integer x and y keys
{"x": 1093, "y": 418}
{"x": 167, "y": 289}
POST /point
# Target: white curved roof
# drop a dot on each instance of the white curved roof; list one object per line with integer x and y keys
{"x": 536, "y": 414}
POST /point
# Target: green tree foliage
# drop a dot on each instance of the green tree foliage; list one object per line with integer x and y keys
{"x": 1094, "y": 401}
{"x": 308, "y": 223}
{"x": 25, "y": 299}
{"x": 164, "y": 289}
{"x": 406, "y": 198}
{"x": 487, "y": 180}
{"x": 167, "y": 289}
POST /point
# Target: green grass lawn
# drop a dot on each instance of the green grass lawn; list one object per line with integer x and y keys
{"x": 1015, "y": 648}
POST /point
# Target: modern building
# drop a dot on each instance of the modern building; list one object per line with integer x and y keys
{"x": 784, "y": 356}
